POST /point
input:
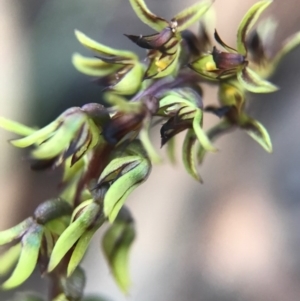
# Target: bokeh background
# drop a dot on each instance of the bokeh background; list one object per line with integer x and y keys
{"x": 234, "y": 238}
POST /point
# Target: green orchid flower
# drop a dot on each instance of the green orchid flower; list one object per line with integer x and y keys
{"x": 72, "y": 134}
{"x": 164, "y": 47}
{"x": 128, "y": 170}
{"x": 235, "y": 62}
{"x": 118, "y": 71}
{"x": 184, "y": 109}
{"x": 232, "y": 97}
{"x": 28, "y": 236}
{"x": 131, "y": 119}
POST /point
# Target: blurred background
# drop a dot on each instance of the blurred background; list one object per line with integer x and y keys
{"x": 236, "y": 237}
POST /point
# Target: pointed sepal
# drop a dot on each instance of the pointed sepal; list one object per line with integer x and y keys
{"x": 191, "y": 15}
{"x": 116, "y": 244}
{"x": 147, "y": 17}
{"x": 15, "y": 127}
{"x": 258, "y": 132}
{"x": 31, "y": 243}
{"x": 86, "y": 217}
{"x": 247, "y": 23}
{"x": 203, "y": 139}
{"x": 15, "y": 232}
{"x": 252, "y": 82}
{"x": 189, "y": 155}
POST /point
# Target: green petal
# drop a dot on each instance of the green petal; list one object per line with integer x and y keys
{"x": 164, "y": 66}
{"x": 37, "y": 137}
{"x": 212, "y": 134}
{"x": 15, "y": 232}
{"x": 191, "y": 14}
{"x": 147, "y": 17}
{"x": 188, "y": 154}
{"x": 247, "y": 23}
{"x": 148, "y": 146}
{"x": 123, "y": 186}
{"x": 288, "y": 45}
{"x": 252, "y": 82}
{"x": 9, "y": 258}
{"x": 130, "y": 82}
{"x": 203, "y": 139}
{"x": 173, "y": 98}
{"x": 116, "y": 166}
{"x": 93, "y": 66}
{"x": 57, "y": 226}
{"x": 80, "y": 248}
{"x": 223, "y": 44}
{"x": 79, "y": 208}
{"x": 122, "y": 103}
{"x": 116, "y": 245}
{"x": 16, "y": 127}
{"x": 49, "y": 241}
{"x": 61, "y": 138}
{"x": 31, "y": 243}
{"x": 258, "y": 132}
{"x": 205, "y": 66}
{"x": 72, "y": 234}
{"x": 102, "y": 49}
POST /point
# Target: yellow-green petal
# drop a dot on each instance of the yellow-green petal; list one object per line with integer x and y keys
{"x": 189, "y": 154}
{"x": 252, "y": 82}
{"x": 9, "y": 258}
{"x": 72, "y": 234}
{"x": 131, "y": 82}
{"x": 102, "y": 49}
{"x": 163, "y": 65}
{"x": 147, "y": 17}
{"x": 191, "y": 15}
{"x": 37, "y": 137}
{"x": 288, "y": 45}
{"x": 80, "y": 249}
{"x": 93, "y": 66}
{"x": 60, "y": 140}
{"x": 203, "y": 139}
{"x": 16, "y": 127}
{"x": 148, "y": 146}
{"x": 247, "y": 23}
{"x": 31, "y": 243}
{"x": 116, "y": 245}
{"x": 258, "y": 132}
{"x": 205, "y": 66}
{"x": 15, "y": 232}
{"x": 117, "y": 193}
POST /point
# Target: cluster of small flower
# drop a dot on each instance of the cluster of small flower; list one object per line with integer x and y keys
{"x": 106, "y": 152}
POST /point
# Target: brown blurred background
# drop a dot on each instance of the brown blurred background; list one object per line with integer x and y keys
{"x": 234, "y": 238}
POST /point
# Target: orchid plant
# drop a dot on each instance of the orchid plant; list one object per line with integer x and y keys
{"x": 105, "y": 152}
